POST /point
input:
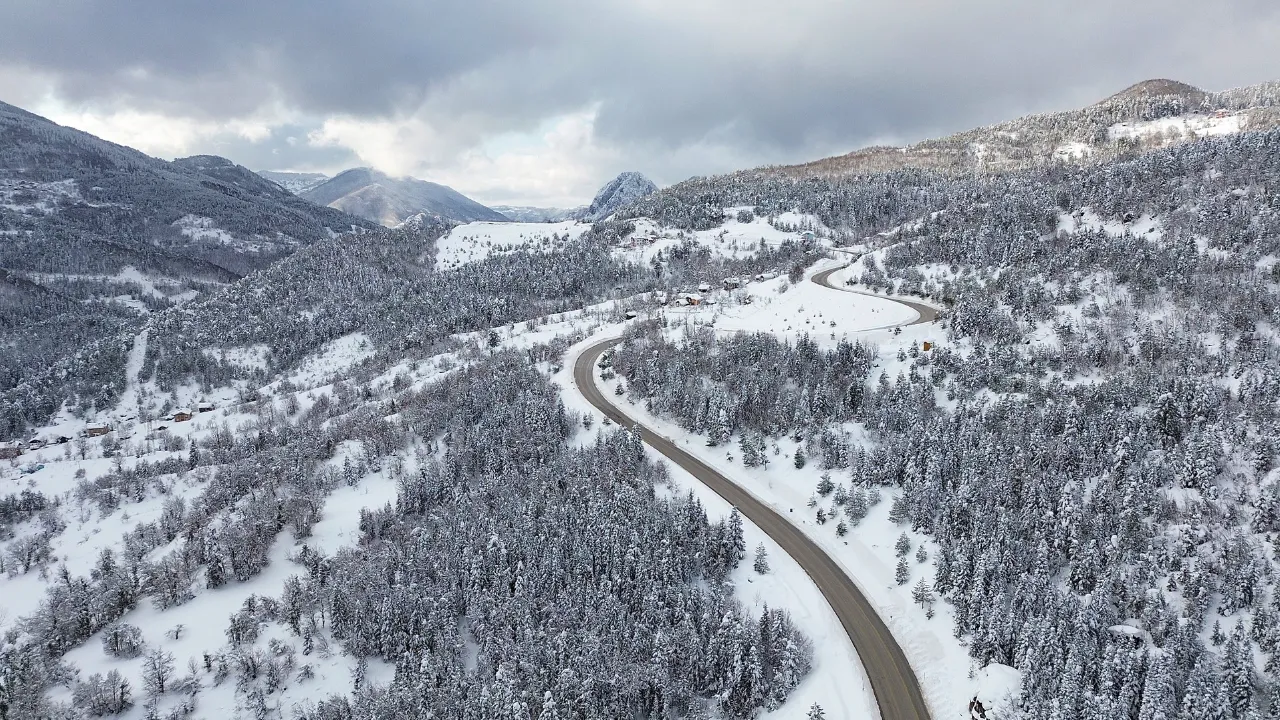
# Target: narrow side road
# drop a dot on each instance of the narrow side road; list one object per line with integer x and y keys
{"x": 927, "y": 313}
{"x": 896, "y": 688}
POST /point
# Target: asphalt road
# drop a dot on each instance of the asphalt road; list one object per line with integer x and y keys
{"x": 896, "y": 689}
{"x": 927, "y": 313}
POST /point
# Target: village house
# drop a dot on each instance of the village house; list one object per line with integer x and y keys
{"x": 8, "y": 451}
{"x": 205, "y": 407}
{"x": 96, "y": 429}
{"x": 732, "y": 283}
{"x": 181, "y": 415}
{"x": 692, "y": 299}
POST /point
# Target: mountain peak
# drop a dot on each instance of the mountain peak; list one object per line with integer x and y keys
{"x": 622, "y": 190}
{"x": 1158, "y": 87}
{"x": 376, "y": 196}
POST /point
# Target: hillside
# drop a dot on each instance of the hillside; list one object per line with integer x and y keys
{"x": 96, "y": 236}
{"x": 1146, "y": 116}
{"x": 389, "y": 201}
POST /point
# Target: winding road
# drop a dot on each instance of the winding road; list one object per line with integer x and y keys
{"x": 927, "y": 313}
{"x": 896, "y": 688}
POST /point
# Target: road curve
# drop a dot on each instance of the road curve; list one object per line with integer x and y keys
{"x": 894, "y": 684}
{"x": 927, "y": 313}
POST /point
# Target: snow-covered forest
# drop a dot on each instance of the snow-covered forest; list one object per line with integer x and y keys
{"x": 1094, "y": 444}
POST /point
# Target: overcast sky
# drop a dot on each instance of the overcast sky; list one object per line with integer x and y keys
{"x": 512, "y": 101}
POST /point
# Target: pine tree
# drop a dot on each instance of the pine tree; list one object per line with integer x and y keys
{"x": 816, "y": 713}
{"x": 761, "y": 565}
{"x": 903, "y": 572}
{"x": 922, "y": 555}
{"x": 799, "y": 458}
{"x": 921, "y": 594}
{"x": 842, "y": 529}
{"x": 902, "y": 546}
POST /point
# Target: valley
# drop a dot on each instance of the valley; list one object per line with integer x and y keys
{"x": 987, "y": 433}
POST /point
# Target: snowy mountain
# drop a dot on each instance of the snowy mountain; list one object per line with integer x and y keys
{"x": 97, "y": 236}
{"x": 295, "y": 182}
{"x": 617, "y": 193}
{"x": 1149, "y": 115}
{"x": 520, "y": 213}
{"x": 389, "y": 201}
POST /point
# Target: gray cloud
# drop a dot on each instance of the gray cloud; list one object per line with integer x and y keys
{"x": 718, "y": 81}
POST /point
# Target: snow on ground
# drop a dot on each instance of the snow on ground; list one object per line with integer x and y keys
{"x": 28, "y": 197}
{"x": 250, "y": 357}
{"x": 732, "y": 239}
{"x": 1177, "y": 127}
{"x": 1072, "y": 151}
{"x": 197, "y": 227}
{"x": 478, "y": 240}
{"x": 333, "y": 360}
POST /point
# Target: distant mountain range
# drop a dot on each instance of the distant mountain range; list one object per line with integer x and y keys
{"x": 390, "y": 201}
{"x": 1145, "y": 116}
{"x": 521, "y": 213}
{"x": 295, "y": 182}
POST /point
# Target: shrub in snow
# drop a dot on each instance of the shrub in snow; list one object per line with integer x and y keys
{"x": 762, "y": 560}
{"x": 99, "y": 695}
{"x": 122, "y": 640}
{"x": 157, "y": 671}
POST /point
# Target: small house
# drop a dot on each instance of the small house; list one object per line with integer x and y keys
{"x": 807, "y": 235}
{"x": 704, "y": 288}
{"x": 62, "y": 440}
{"x": 926, "y": 346}
{"x": 96, "y": 429}
{"x": 36, "y": 443}
{"x": 631, "y": 314}
{"x": 8, "y": 451}
{"x": 693, "y": 299}
{"x": 732, "y": 283}
{"x": 181, "y": 415}
{"x": 205, "y": 407}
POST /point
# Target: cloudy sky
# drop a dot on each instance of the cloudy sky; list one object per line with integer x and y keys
{"x": 512, "y": 101}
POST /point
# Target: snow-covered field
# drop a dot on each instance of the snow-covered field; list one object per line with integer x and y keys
{"x": 476, "y": 241}
{"x": 1177, "y": 127}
